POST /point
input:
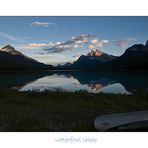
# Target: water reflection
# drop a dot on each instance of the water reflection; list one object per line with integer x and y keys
{"x": 70, "y": 81}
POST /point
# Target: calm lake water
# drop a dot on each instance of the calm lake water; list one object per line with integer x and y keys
{"x": 72, "y": 81}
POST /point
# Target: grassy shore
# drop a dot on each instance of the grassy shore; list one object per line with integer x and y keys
{"x": 50, "y": 111}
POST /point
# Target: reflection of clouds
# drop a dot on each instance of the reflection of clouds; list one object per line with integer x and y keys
{"x": 52, "y": 83}
{"x": 115, "y": 88}
{"x": 77, "y": 84}
{"x": 66, "y": 76}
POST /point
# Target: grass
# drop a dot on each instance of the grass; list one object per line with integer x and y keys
{"x": 57, "y": 111}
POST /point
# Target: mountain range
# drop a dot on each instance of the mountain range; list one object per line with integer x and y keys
{"x": 134, "y": 58}
{"x": 13, "y": 60}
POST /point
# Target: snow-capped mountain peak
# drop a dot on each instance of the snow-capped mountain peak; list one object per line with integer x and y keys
{"x": 95, "y": 52}
{"x": 9, "y": 49}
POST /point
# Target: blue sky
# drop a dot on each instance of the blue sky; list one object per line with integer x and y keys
{"x": 60, "y": 39}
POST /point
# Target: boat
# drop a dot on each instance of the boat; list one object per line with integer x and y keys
{"x": 129, "y": 121}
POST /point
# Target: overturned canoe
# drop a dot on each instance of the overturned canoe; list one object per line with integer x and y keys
{"x": 122, "y": 121}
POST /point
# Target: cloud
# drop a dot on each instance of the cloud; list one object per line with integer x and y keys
{"x": 123, "y": 43}
{"x": 10, "y": 37}
{"x": 81, "y": 38}
{"x": 90, "y": 46}
{"x": 38, "y": 45}
{"x": 74, "y": 42}
{"x": 97, "y": 43}
{"x": 42, "y": 24}
{"x": 32, "y": 45}
{"x": 77, "y": 55}
{"x": 54, "y": 43}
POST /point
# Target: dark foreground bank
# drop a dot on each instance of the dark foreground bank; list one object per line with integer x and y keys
{"x": 50, "y": 111}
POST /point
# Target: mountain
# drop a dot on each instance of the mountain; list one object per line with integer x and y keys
{"x": 95, "y": 53}
{"x": 134, "y": 58}
{"x": 11, "y": 60}
{"x": 11, "y": 50}
{"x": 92, "y": 60}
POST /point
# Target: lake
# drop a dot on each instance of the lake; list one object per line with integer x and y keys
{"x": 73, "y": 81}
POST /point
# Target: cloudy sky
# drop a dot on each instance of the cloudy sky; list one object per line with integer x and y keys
{"x": 55, "y": 40}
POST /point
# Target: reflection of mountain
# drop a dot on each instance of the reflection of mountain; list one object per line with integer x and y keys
{"x": 88, "y": 77}
{"x": 18, "y": 80}
{"x": 133, "y": 82}
{"x": 96, "y": 86}
{"x": 93, "y": 80}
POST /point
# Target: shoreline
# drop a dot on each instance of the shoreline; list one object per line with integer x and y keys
{"x": 71, "y": 70}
